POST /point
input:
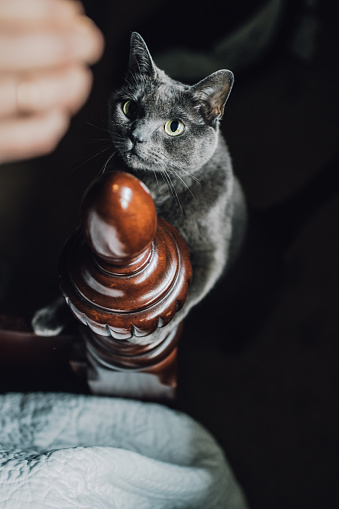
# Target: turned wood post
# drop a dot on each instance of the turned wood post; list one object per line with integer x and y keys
{"x": 125, "y": 273}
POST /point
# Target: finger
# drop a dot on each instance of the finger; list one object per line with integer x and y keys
{"x": 31, "y": 136}
{"x": 37, "y": 11}
{"x": 8, "y": 96}
{"x": 26, "y": 50}
{"x": 67, "y": 88}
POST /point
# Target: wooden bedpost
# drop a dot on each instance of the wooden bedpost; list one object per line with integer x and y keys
{"x": 124, "y": 273}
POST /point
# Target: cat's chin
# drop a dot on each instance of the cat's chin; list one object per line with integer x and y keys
{"x": 134, "y": 162}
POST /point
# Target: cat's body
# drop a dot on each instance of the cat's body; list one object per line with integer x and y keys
{"x": 167, "y": 134}
{"x": 210, "y": 218}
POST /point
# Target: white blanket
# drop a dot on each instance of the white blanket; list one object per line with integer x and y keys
{"x": 65, "y": 451}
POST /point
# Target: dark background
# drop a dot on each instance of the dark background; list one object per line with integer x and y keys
{"x": 258, "y": 359}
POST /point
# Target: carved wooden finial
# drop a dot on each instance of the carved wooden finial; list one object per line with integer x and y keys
{"x": 125, "y": 273}
{"x": 118, "y": 218}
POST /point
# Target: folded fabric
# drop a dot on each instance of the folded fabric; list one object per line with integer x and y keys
{"x": 74, "y": 451}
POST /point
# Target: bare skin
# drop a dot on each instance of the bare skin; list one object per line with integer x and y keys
{"x": 46, "y": 48}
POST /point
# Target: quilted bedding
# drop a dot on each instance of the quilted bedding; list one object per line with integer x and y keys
{"x": 73, "y": 451}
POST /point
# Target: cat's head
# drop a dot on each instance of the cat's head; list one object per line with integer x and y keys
{"x": 157, "y": 123}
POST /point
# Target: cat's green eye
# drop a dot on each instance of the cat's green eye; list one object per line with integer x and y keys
{"x": 130, "y": 108}
{"x": 174, "y": 127}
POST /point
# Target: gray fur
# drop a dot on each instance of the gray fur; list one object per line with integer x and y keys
{"x": 190, "y": 175}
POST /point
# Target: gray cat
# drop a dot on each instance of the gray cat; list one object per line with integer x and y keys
{"x": 167, "y": 134}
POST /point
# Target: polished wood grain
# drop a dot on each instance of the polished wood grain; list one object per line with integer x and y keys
{"x": 131, "y": 299}
{"x": 124, "y": 273}
{"x": 118, "y": 219}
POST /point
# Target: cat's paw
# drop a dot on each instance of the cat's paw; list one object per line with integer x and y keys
{"x": 51, "y": 320}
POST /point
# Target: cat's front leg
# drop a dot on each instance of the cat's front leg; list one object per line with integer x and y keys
{"x": 52, "y": 319}
{"x": 208, "y": 267}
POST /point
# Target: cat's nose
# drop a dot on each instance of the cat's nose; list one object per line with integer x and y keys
{"x": 137, "y": 137}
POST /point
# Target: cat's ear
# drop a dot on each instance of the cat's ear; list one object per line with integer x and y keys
{"x": 140, "y": 60}
{"x": 212, "y": 93}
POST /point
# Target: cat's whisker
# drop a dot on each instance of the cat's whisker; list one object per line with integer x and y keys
{"x": 182, "y": 180}
{"x": 156, "y": 177}
{"x": 180, "y": 168}
{"x": 165, "y": 178}
{"x": 105, "y": 129}
{"x": 90, "y": 158}
{"x": 159, "y": 161}
{"x": 172, "y": 188}
{"x": 119, "y": 137}
{"x": 119, "y": 143}
{"x": 103, "y": 169}
{"x": 85, "y": 141}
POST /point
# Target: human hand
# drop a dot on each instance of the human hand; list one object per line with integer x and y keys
{"x": 46, "y": 47}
